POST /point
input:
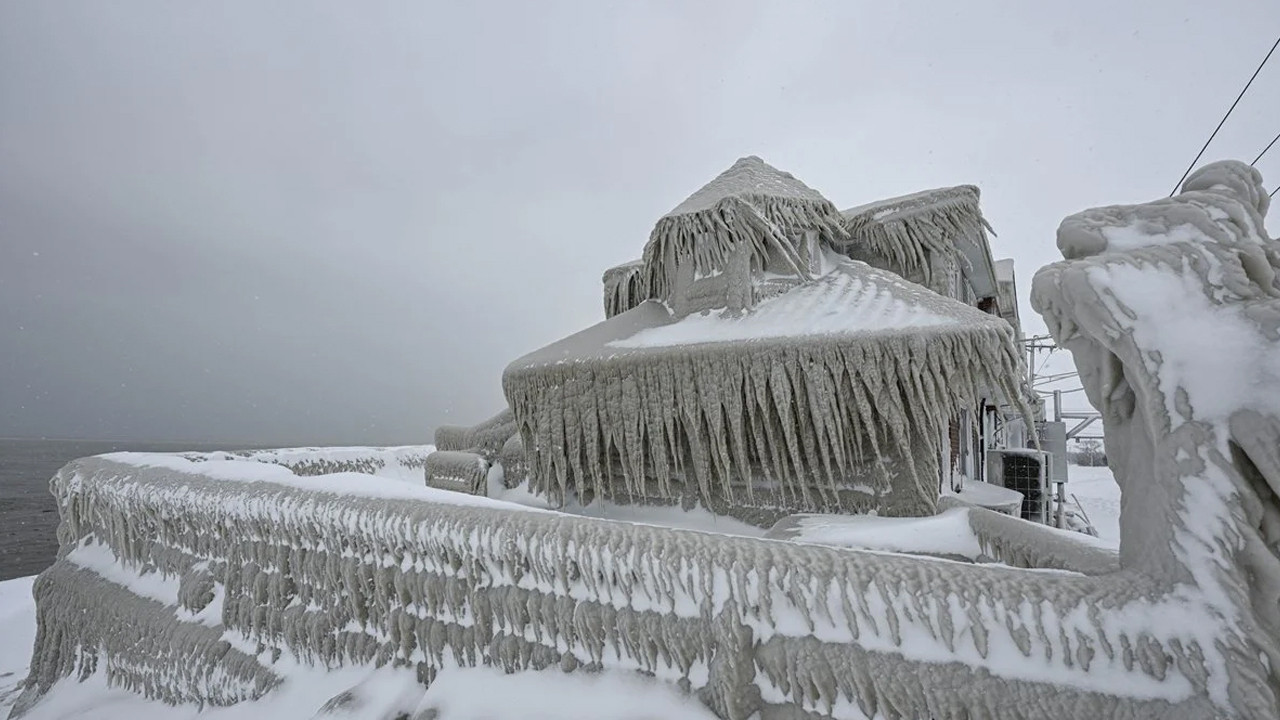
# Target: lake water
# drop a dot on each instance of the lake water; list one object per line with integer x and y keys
{"x": 28, "y": 514}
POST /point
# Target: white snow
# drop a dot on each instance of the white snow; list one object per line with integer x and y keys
{"x": 472, "y": 694}
{"x": 17, "y": 636}
{"x": 1144, "y": 233}
{"x": 946, "y": 533}
{"x": 404, "y": 462}
{"x": 346, "y": 483}
{"x": 837, "y": 303}
{"x": 1098, "y": 494}
{"x": 749, "y": 177}
{"x": 1169, "y": 312}
{"x": 458, "y": 693}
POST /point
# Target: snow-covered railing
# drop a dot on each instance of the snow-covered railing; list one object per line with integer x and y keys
{"x": 401, "y": 463}
{"x": 458, "y": 471}
{"x": 219, "y": 568}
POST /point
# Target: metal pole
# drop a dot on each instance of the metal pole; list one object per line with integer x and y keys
{"x": 1057, "y": 406}
{"x": 1062, "y": 503}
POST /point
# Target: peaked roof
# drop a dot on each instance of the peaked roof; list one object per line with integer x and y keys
{"x": 750, "y": 178}
{"x": 908, "y": 229}
{"x": 853, "y": 303}
{"x": 904, "y": 207}
{"x": 753, "y": 203}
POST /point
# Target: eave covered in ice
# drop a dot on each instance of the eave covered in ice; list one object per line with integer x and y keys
{"x": 919, "y": 232}
{"x": 752, "y": 205}
{"x": 829, "y": 397}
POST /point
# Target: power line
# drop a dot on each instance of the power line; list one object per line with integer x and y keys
{"x": 1046, "y": 360}
{"x": 1224, "y": 118}
{"x": 1265, "y": 149}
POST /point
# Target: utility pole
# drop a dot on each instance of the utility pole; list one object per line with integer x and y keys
{"x": 1038, "y": 342}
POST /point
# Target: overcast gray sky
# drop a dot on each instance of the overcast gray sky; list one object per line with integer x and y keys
{"x": 321, "y": 222}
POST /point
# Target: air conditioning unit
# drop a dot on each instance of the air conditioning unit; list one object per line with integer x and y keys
{"x": 1026, "y": 471}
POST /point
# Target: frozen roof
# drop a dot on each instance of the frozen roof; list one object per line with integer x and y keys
{"x": 752, "y": 204}
{"x": 856, "y": 358}
{"x": 853, "y": 303}
{"x": 908, "y": 206}
{"x": 908, "y": 229}
{"x": 853, "y": 300}
{"x": 750, "y": 178}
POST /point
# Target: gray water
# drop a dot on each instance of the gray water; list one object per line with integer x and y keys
{"x": 28, "y": 514}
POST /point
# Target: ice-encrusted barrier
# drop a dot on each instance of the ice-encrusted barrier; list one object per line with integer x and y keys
{"x": 406, "y": 462}
{"x": 347, "y": 569}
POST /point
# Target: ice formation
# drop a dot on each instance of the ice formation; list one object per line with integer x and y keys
{"x": 402, "y": 463}
{"x": 749, "y": 365}
{"x": 751, "y": 206}
{"x": 624, "y": 288}
{"x": 800, "y": 405}
{"x": 914, "y": 234}
{"x": 190, "y": 579}
{"x": 1171, "y": 311}
{"x": 213, "y": 571}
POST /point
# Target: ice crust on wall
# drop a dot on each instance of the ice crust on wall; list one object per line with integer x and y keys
{"x": 341, "y": 571}
{"x": 625, "y": 287}
{"x": 458, "y": 471}
{"x": 485, "y": 439}
{"x": 830, "y": 397}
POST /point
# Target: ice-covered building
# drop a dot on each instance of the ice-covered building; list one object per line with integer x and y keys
{"x": 938, "y": 238}
{"x": 767, "y": 355}
{"x": 210, "y": 579}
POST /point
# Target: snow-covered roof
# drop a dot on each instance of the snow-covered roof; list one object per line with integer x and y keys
{"x": 853, "y": 302}
{"x": 750, "y": 179}
{"x": 751, "y": 203}
{"x": 963, "y": 197}
{"x": 907, "y": 229}
{"x": 855, "y": 358}
{"x": 854, "y": 299}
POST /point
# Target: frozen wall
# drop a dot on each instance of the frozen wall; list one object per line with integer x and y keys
{"x": 400, "y": 463}
{"x": 186, "y": 581}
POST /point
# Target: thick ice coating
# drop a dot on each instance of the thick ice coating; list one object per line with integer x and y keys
{"x": 187, "y": 579}
{"x": 752, "y": 206}
{"x": 832, "y": 396}
{"x": 915, "y": 234}
{"x": 1171, "y": 311}
{"x": 750, "y": 365}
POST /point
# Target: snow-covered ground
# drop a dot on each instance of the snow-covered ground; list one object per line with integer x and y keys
{"x": 17, "y": 633}
{"x": 458, "y": 694}
{"x": 1096, "y": 490}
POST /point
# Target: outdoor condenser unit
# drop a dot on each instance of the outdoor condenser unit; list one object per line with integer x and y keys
{"x": 1026, "y": 471}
